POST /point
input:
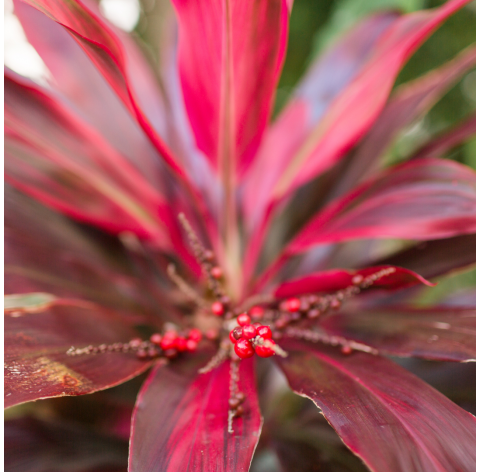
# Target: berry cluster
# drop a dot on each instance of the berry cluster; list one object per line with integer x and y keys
{"x": 252, "y": 338}
{"x": 172, "y": 343}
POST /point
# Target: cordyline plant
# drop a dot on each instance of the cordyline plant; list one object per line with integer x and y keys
{"x": 222, "y": 238}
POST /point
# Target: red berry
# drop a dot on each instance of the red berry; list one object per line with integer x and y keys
{"x": 168, "y": 342}
{"x": 265, "y": 332}
{"x": 335, "y": 304}
{"x": 249, "y": 332}
{"x": 190, "y": 345}
{"x": 217, "y": 308}
{"x": 256, "y": 325}
{"x": 293, "y": 304}
{"x": 243, "y": 348}
{"x": 243, "y": 319}
{"x": 156, "y": 338}
{"x": 256, "y": 312}
{"x": 232, "y": 337}
{"x": 181, "y": 344}
{"x": 265, "y": 350}
{"x": 195, "y": 334}
{"x": 216, "y": 272}
{"x": 346, "y": 349}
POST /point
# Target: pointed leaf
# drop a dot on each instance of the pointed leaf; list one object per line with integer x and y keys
{"x": 444, "y": 334}
{"x": 423, "y": 199}
{"x": 324, "y": 81}
{"x": 181, "y": 417}
{"x": 77, "y": 78}
{"x": 61, "y": 160}
{"x": 384, "y": 414}
{"x": 229, "y": 105}
{"x": 409, "y": 102}
{"x": 438, "y": 257}
{"x": 116, "y": 62}
{"x": 36, "y": 361}
{"x": 338, "y": 279}
{"x": 34, "y": 445}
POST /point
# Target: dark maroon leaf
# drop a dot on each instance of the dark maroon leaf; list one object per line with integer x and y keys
{"x": 422, "y": 199}
{"x": 438, "y": 257}
{"x": 337, "y": 279}
{"x": 45, "y": 252}
{"x": 36, "y": 361}
{"x": 181, "y": 418}
{"x": 34, "y": 445}
{"x": 409, "y": 102}
{"x": 436, "y": 333}
{"x": 384, "y": 414}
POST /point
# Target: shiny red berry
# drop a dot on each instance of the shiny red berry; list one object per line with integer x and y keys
{"x": 216, "y": 272}
{"x": 243, "y": 319}
{"x": 256, "y": 312}
{"x": 156, "y": 338}
{"x": 190, "y": 345}
{"x": 195, "y": 334}
{"x": 293, "y": 304}
{"x": 168, "y": 342}
{"x": 232, "y": 337}
{"x": 217, "y": 308}
{"x": 181, "y": 344}
{"x": 243, "y": 348}
{"x": 264, "y": 350}
{"x": 265, "y": 332}
{"x": 249, "y": 332}
{"x": 346, "y": 350}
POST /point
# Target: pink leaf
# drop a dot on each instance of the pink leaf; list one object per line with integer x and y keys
{"x": 230, "y": 57}
{"x": 424, "y": 199}
{"x": 338, "y": 279}
{"x": 79, "y": 81}
{"x": 324, "y": 81}
{"x": 409, "y": 102}
{"x": 181, "y": 417}
{"x": 36, "y": 361}
{"x": 443, "y": 334}
{"x": 384, "y": 414}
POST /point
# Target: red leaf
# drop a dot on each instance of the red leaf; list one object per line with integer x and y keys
{"x": 443, "y": 334}
{"x": 77, "y": 78}
{"x": 449, "y": 139}
{"x": 117, "y": 62}
{"x": 36, "y": 362}
{"x": 409, "y": 102}
{"x": 44, "y": 252}
{"x": 227, "y": 102}
{"x": 438, "y": 257}
{"x": 424, "y": 199}
{"x": 338, "y": 279}
{"x": 34, "y": 445}
{"x": 384, "y": 414}
{"x": 324, "y": 81}
{"x": 180, "y": 421}
{"x": 75, "y": 169}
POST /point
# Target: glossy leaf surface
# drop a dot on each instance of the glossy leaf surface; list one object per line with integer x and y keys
{"x": 181, "y": 417}
{"x": 424, "y": 199}
{"x": 34, "y": 445}
{"x": 36, "y": 362}
{"x": 444, "y": 334}
{"x": 408, "y": 103}
{"x": 241, "y": 46}
{"x": 384, "y": 414}
{"x": 337, "y": 279}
